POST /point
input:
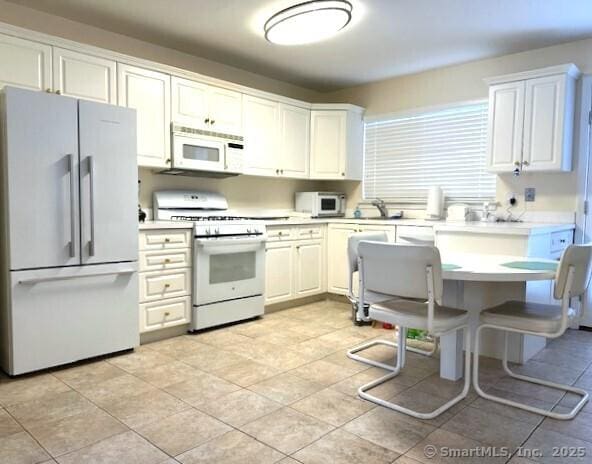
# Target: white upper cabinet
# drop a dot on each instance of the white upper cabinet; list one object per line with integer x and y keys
{"x": 548, "y": 124}
{"x": 84, "y": 76}
{"x": 531, "y": 117}
{"x": 149, "y": 93}
{"x": 336, "y": 144}
{"x": 206, "y": 107}
{"x": 190, "y": 103}
{"x": 24, "y": 63}
{"x": 506, "y": 119}
{"x": 260, "y": 120}
{"x": 225, "y": 110}
{"x": 294, "y": 141}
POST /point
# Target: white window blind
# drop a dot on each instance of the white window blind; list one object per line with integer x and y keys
{"x": 404, "y": 156}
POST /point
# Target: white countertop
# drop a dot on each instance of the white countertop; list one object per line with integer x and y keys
{"x": 497, "y": 228}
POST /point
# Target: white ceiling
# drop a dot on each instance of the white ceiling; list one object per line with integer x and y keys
{"x": 387, "y": 38}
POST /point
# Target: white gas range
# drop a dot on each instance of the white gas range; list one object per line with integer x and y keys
{"x": 228, "y": 256}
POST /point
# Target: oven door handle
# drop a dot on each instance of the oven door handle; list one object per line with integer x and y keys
{"x": 218, "y": 242}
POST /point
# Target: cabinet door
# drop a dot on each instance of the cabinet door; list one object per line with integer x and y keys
{"x": 84, "y": 76}
{"x": 108, "y": 183}
{"x": 190, "y": 103}
{"x": 309, "y": 268}
{"x": 42, "y": 179}
{"x": 225, "y": 110}
{"x": 148, "y": 92}
{"x": 337, "y": 262}
{"x": 543, "y": 123}
{"x": 294, "y": 144}
{"x": 279, "y": 272}
{"x": 260, "y": 119}
{"x": 505, "y": 124}
{"x": 328, "y": 144}
{"x": 25, "y": 63}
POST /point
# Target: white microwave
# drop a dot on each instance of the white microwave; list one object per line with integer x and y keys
{"x": 321, "y": 204}
{"x": 205, "y": 152}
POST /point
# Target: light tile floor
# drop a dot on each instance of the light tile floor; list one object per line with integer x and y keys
{"x": 281, "y": 389}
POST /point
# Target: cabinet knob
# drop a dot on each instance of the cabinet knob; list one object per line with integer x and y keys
{"x": 281, "y": 171}
{"x": 207, "y": 120}
{"x": 277, "y": 171}
{"x": 59, "y": 92}
{"x": 167, "y": 285}
{"x": 280, "y": 233}
{"x": 166, "y": 314}
{"x": 311, "y": 231}
{"x": 167, "y": 240}
{"x": 167, "y": 260}
{"x": 516, "y": 163}
{"x": 48, "y": 90}
{"x": 213, "y": 121}
{"x": 343, "y": 174}
{"x": 525, "y": 163}
{"x": 168, "y": 161}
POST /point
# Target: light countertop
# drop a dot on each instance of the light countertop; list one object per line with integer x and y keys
{"x": 497, "y": 228}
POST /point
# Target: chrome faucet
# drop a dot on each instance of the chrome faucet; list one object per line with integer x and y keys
{"x": 380, "y": 204}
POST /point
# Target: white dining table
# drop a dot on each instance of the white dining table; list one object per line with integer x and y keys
{"x": 475, "y": 282}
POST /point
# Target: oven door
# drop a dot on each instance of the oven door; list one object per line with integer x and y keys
{"x": 329, "y": 205}
{"x": 228, "y": 269}
{"x": 200, "y": 154}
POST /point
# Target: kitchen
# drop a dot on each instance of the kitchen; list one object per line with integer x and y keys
{"x": 224, "y": 319}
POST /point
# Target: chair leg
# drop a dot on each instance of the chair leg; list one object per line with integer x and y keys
{"x": 362, "y": 391}
{"x": 497, "y": 399}
{"x": 352, "y": 352}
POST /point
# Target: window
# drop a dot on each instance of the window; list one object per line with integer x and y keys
{"x": 405, "y": 155}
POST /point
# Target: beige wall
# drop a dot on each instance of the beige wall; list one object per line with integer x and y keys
{"x": 28, "y": 18}
{"x": 555, "y": 192}
{"x": 241, "y": 191}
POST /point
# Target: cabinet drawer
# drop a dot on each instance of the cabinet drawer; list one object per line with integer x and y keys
{"x": 561, "y": 240}
{"x": 310, "y": 232}
{"x": 166, "y": 284}
{"x": 165, "y": 239}
{"x": 277, "y": 234}
{"x": 165, "y": 313}
{"x": 162, "y": 260}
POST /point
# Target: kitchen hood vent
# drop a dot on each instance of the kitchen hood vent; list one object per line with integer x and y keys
{"x": 193, "y": 173}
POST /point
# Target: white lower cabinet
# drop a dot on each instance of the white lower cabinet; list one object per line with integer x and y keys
{"x": 279, "y": 272}
{"x": 337, "y": 260}
{"x": 295, "y": 263}
{"x": 309, "y": 268}
{"x": 164, "y": 279}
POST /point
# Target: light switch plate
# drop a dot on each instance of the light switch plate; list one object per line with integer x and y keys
{"x": 529, "y": 194}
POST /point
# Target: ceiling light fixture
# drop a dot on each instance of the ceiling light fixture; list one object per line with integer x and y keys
{"x": 308, "y": 22}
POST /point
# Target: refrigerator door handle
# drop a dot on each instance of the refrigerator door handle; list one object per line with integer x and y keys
{"x": 72, "y": 212}
{"x": 39, "y": 280}
{"x": 91, "y": 171}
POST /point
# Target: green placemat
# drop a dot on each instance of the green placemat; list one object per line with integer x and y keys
{"x": 450, "y": 267}
{"x": 532, "y": 265}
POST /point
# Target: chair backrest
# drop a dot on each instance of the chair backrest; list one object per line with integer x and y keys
{"x": 578, "y": 257}
{"x": 353, "y": 242}
{"x": 400, "y": 270}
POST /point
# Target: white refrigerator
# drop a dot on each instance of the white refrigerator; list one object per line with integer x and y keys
{"x": 68, "y": 230}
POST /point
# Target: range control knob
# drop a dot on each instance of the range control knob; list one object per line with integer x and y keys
{"x": 208, "y": 232}
{"x": 217, "y": 231}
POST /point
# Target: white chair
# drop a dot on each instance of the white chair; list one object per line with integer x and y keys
{"x": 362, "y": 310}
{"x": 572, "y": 277}
{"x": 413, "y": 275}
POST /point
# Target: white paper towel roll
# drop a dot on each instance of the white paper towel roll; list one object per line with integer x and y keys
{"x": 435, "y": 205}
